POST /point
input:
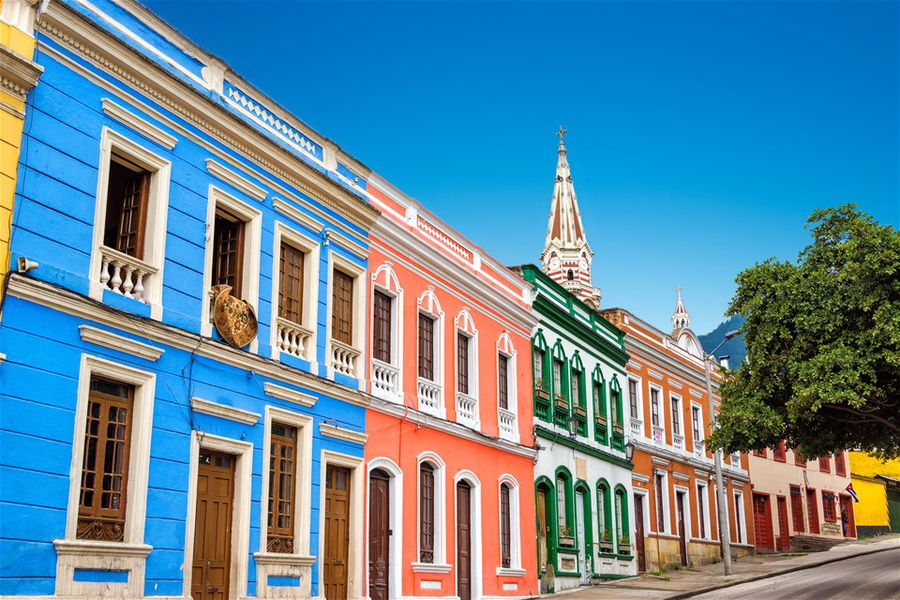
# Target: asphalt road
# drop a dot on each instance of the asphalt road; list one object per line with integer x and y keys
{"x": 871, "y": 577}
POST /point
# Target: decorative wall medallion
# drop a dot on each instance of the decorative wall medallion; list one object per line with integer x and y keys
{"x": 234, "y": 319}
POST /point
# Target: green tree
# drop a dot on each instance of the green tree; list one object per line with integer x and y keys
{"x": 823, "y": 342}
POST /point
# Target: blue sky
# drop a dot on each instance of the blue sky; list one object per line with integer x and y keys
{"x": 701, "y": 134}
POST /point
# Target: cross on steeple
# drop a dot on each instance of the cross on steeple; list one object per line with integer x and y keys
{"x": 562, "y": 131}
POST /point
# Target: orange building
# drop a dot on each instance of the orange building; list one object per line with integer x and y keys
{"x": 675, "y": 504}
{"x": 449, "y": 454}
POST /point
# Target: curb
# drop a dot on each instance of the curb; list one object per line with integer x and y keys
{"x": 720, "y": 586}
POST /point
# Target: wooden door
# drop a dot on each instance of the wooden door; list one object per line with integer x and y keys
{"x": 682, "y": 534}
{"x": 581, "y": 528}
{"x": 379, "y": 534}
{"x": 337, "y": 532}
{"x": 812, "y": 509}
{"x": 211, "y": 569}
{"x": 762, "y": 522}
{"x": 541, "y": 503}
{"x": 784, "y": 539}
{"x": 847, "y": 519}
{"x": 463, "y": 541}
{"x": 639, "y": 531}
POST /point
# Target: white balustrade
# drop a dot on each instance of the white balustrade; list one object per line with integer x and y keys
{"x": 343, "y": 358}
{"x": 678, "y": 441}
{"x": 466, "y": 409}
{"x": 124, "y": 274}
{"x": 508, "y": 430}
{"x": 637, "y": 428}
{"x": 658, "y": 435}
{"x": 291, "y": 338}
{"x": 698, "y": 449}
{"x": 385, "y": 379}
{"x": 429, "y": 394}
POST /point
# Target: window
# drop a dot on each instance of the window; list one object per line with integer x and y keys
{"x": 342, "y": 307}
{"x": 282, "y": 486}
{"x": 701, "y": 509}
{"x": 828, "y": 511}
{"x": 426, "y": 513}
{"x": 290, "y": 283}
{"x": 615, "y": 402}
{"x": 503, "y": 381}
{"x": 381, "y": 325}
{"x": 761, "y": 452}
{"x": 576, "y": 386}
{"x": 604, "y": 517}
{"x": 797, "y": 509}
{"x": 676, "y": 414}
{"x": 228, "y": 252}
{"x": 825, "y": 464}
{"x": 462, "y": 363}
{"x": 539, "y": 369}
{"x": 107, "y": 447}
{"x": 565, "y": 508}
{"x": 659, "y": 481}
{"x": 127, "y": 197}
{"x": 839, "y": 466}
{"x": 622, "y": 521}
{"x": 505, "y": 527}
{"x": 557, "y": 377}
{"x": 561, "y": 520}
{"x": 426, "y": 347}
{"x": 798, "y": 458}
{"x": 697, "y": 425}
{"x": 779, "y": 452}
{"x": 739, "y": 517}
{"x": 654, "y": 407}
{"x": 633, "y": 400}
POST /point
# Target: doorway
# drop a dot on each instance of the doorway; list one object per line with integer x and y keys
{"x": 784, "y": 539}
{"x": 542, "y": 533}
{"x": 337, "y": 532}
{"x": 762, "y": 522}
{"x": 639, "y": 532}
{"x": 464, "y": 540}
{"x": 847, "y": 519}
{"x": 581, "y": 531}
{"x": 211, "y": 564}
{"x": 682, "y": 533}
{"x": 379, "y": 534}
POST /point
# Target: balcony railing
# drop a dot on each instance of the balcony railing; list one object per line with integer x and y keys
{"x": 124, "y": 274}
{"x": 385, "y": 379}
{"x": 678, "y": 441}
{"x": 637, "y": 427}
{"x": 429, "y": 394}
{"x": 292, "y": 338}
{"x": 698, "y": 448}
{"x": 466, "y": 409}
{"x": 658, "y": 435}
{"x": 508, "y": 429}
{"x": 343, "y": 358}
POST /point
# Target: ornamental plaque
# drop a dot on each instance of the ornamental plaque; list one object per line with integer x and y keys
{"x": 234, "y": 319}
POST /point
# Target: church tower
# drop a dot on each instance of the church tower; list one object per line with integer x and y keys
{"x": 567, "y": 256}
{"x": 681, "y": 328}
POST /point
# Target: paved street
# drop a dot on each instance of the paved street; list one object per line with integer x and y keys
{"x": 871, "y": 577}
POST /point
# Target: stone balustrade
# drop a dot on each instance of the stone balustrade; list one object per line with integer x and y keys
{"x": 124, "y": 274}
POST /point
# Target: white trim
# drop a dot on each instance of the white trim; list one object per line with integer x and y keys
{"x": 475, "y": 529}
{"x": 688, "y": 525}
{"x": 348, "y": 244}
{"x": 358, "y": 327}
{"x": 209, "y": 407}
{"x": 111, "y": 340}
{"x": 440, "y": 510}
{"x": 342, "y": 433}
{"x": 240, "y": 518}
{"x": 283, "y": 393}
{"x": 638, "y": 477}
{"x": 235, "y": 180}
{"x": 697, "y": 445}
{"x": 507, "y": 349}
{"x": 707, "y": 507}
{"x": 251, "y": 254}
{"x": 356, "y": 542}
{"x": 310, "y": 301}
{"x": 429, "y": 305}
{"x": 661, "y": 411}
{"x": 419, "y": 567}
{"x": 666, "y": 493}
{"x": 112, "y": 142}
{"x": 299, "y": 564}
{"x": 515, "y": 542}
{"x": 639, "y": 389}
{"x": 395, "y": 509}
{"x": 286, "y": 208}
{"x": 465, "y": 325}
{"x": 645, "y": 511}
{"x": 390, "y": 286}
{"x": 740, "y": 517}
{"x": 145, "y": 128}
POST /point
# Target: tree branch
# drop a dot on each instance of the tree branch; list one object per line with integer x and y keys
{"x": 866, "y": 416}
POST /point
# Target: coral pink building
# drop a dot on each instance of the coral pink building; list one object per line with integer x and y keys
{"x": 449, "y": 455}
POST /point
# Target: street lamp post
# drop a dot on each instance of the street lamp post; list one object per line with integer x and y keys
{"x": 724, "y": 533}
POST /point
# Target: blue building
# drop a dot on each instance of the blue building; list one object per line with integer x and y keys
{"x": 182, "y": 370}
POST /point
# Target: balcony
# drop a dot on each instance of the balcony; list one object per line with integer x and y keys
{"x": 466, "y": 410}
{"x": 291, "y": 338}
{"x": 124, "y": 274}
{"x": 678, "y": 441}
{"x": 508, "y": 430}
{"x": 637, "y": 428}
{"x": 429, "y": 394}
{"x": 385, "y": 380}
{"x": 344, "y": 358}
{"x": 698, "y": 449}
{"x": 659, "y": 435}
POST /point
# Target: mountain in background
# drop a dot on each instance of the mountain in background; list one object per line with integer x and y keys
{"x": 734, "y": 348}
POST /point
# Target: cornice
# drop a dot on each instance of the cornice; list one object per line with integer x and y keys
{"x": 662, "y": 456}
{"x": 342, "y": 433}
{"x": 145, "y": 128}
{"x": 87, "y": 40}
{"x": 283, "y": 393}
{"x": 215, "y": 409}
{"x": 18, "y": 74}
{"x": 238, "y": 181}
{"x": 120, "y": 343}
{"x": 672, "y": 365}
{"x": 563, "y": 440}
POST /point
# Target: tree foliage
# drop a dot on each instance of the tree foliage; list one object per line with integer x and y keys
{"x": 823, "y": 342}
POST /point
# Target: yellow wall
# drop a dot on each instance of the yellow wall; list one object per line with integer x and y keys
{"x": 872, "y": 508}
{"x": 866, "y": 464}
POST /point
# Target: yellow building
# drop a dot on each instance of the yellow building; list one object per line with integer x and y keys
{"x": 18, "y": 74}
{"x": 877, "y": 484}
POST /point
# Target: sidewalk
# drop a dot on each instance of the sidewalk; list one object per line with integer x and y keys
{"x": 683, "y": 583}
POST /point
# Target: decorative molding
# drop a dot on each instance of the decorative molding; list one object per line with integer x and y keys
{"x": 681, "y": 476}
{"x": 139, "y": 124}
{"x": 342, "y": 433}
{"x": 695, "y": 394}
{"x": 277, "y": 558}
{"x": 639, "y": 477}
{"x": 120, "y": 343}
{"x": 208, "y": 407}
{"x": 654, "y": 374}
{"x": 93, "y": 548}
{"x": 418, "y": 567}
{"x": 284, "y": 207}
{"x": 510, "y": 572}
{"x": 348, "y": 244}
{"x": 18, "y": 74}
{"x": 675, "y": 384}
{"x": 239, "y": 181}
{"x": 283, "y": 393}
{"x": 660, "y": 461}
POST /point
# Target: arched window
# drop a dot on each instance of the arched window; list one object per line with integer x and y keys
{"x": 598, "y": 397}
{"x": 621, "y": 507}
{"x": 540, "y": 362}
{"x": 604, "y": 517}
{"x": 615, "y": 405}
{"x": 570, "y": 275}
{"x": 426, "y": 512}
{"x": 579, "y": 397}
{"x": 505, "y": 526}
{"x": 560, "y": 376}
{"x": 565, "y": 508}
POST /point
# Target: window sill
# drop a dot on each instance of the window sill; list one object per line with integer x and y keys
{"x": 418, "y": 567}
{"x": 100, "y": 548}
{"x": 510, "y": 572}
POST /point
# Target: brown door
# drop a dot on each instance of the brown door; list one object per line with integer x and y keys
{"x": 847, "y": 520}
{"x": 463, "y": 541}
{"x": 337, "y": 532}
{"x": 682, "y": 534}
{"x": 212, "y": 532}
{"x": 762, "y": 522}
{"x": 541, "y": 503}
{"x": 784, "y": 540}
{"x": 639, "y": 531}
{"x": 379, "y": 534}
{"x": 812, "y": 508}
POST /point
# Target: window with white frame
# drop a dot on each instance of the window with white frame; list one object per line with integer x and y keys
{"x": 130, "y": 221}
{"x": 507, "y": 396}
{"x": 703, "y": 510}
{"x": 429, "y": 366}
{"x": 430, "y": 523}
{"x": 661, "y": 501}
{"x": 634, "y": 398}
{"x": 675, "y": 403}
{"x": 387, "y": 352}
{"x": 697, "y": 426}
{"x": 295, "y": 279}
{"x": 467, "y": 410}
{"x": 346, "y": 327}
{"x": 656, "y": 415}
{"x": 510, "y": 548}
{"x": 740, "y": 533}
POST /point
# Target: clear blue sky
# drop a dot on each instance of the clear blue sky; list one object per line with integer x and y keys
{"x": 701, "y": 134}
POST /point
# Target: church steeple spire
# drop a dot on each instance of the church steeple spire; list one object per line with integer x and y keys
{"x": 567, "y": 256}
{"x": 680, "y": 318}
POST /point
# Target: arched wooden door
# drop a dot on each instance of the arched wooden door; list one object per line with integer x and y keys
{"x": 379, "y": 534}
{"x": 464, "y": 541}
